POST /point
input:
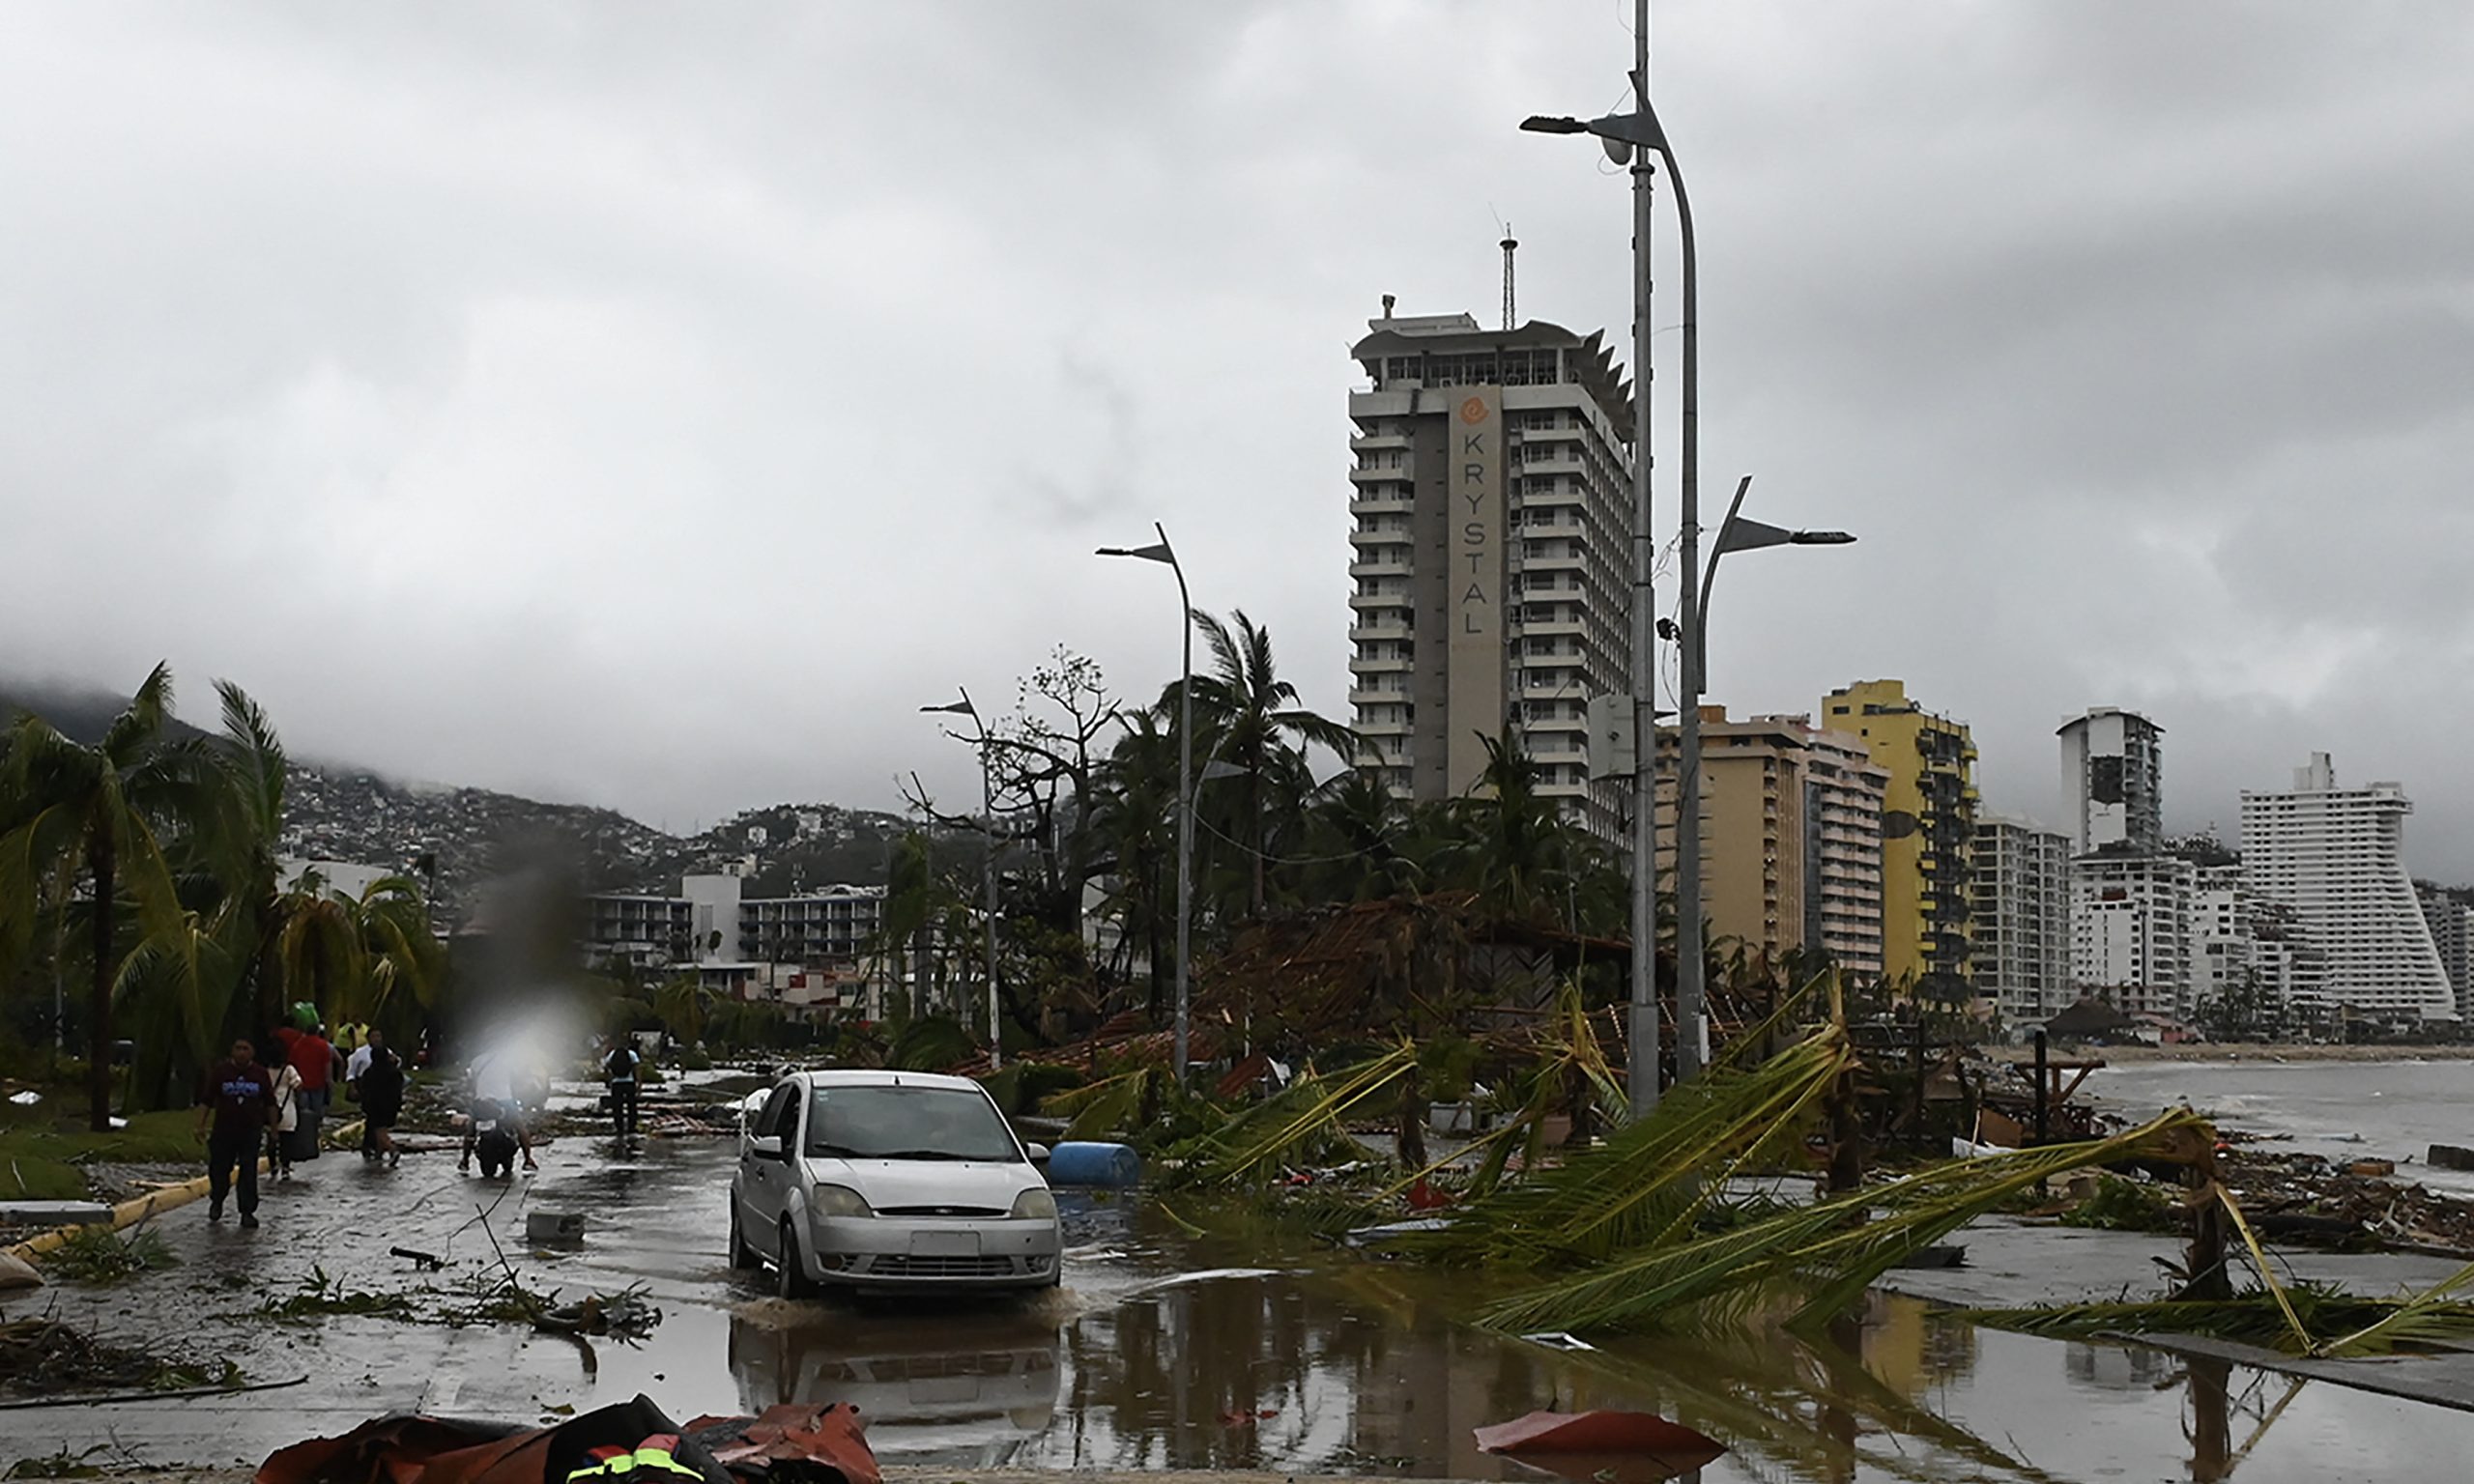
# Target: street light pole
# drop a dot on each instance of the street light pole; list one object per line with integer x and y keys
{"x": 1691, "y": 1015}
{"x": 1631, "y": 138}
{"x": 1735, "y": 534}
{"x": 1641, "y": 1070}
{"x": 1163, "y": 552}
{"x": 986, "y": 872}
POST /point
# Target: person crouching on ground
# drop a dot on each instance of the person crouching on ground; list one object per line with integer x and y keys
{"x": 493, "y": 1079}
{"x": 287, "y": 1118}
{"x": 234, "y": 1109}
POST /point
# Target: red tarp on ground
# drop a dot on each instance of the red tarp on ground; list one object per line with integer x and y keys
{"x": 1622, "y": 1447}
{"x": 794, "y": 1441}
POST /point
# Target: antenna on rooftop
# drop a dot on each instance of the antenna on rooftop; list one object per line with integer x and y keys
{"x": 1510, "y": 244}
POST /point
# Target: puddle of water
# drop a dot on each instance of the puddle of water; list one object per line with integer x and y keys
{"x": 1247, "y": 1348}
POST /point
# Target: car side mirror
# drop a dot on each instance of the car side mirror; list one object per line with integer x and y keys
{"x": 1037, "y": 1151}
{"x": 765, "y": 1147}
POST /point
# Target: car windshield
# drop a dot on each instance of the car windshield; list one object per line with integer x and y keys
{"x": 908, "y": 1123}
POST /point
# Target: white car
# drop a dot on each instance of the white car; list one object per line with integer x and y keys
{"x": 890, "y": 1180}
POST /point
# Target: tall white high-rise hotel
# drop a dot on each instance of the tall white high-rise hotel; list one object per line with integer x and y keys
{"x": 2336, "y": 857}
{"x": 1492, "y": 497}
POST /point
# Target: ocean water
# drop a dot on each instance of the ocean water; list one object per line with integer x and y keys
{"x": 2345, "y": 1110}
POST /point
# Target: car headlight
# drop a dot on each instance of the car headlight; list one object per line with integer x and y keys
{"x": 829, "y": 1201}
{"x": 1034, "y": 1205}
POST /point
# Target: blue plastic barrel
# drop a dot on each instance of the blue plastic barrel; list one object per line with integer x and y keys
{"x": 1113, "y": 1165}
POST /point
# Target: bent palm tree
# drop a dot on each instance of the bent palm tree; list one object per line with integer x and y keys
{"x": 99, "y": 807}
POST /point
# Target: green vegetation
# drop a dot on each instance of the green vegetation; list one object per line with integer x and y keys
{"x": 141, "y": 870}
{"x": 2121, "y": 1205}
{"x": 40, "y": 1154}
{"x": 98, "y": 1254}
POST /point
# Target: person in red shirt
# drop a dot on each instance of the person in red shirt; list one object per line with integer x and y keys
{"x": 235, "y": 1108}
{"x": 319, "y": 1064}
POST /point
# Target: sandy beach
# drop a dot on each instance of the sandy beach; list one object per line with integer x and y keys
{"x": 2247, "y": 1051}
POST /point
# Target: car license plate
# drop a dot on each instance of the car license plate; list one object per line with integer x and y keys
{"x": 944, "y": 1244}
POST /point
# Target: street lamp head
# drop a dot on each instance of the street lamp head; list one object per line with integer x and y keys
{"x": 1542, "y": 123}
{"x": 1157, "y": 550}
{"x": 1821, "y": 538}
{"x": 961, "y": 707}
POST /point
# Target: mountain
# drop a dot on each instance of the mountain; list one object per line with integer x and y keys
{"x": 471, "y": 835}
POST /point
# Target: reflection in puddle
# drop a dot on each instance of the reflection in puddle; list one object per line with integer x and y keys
{"x": 1254, "y": 1349}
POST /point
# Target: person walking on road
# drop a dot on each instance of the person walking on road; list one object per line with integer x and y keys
{"x": 234, "y": 1109}
{"x": 287, "y": 1118}
{"x": 381, "y": 1087}
{"x": 355, "y": 1065}
{"x": 318, "y": 1062}
{"x": 618, "y": 1069}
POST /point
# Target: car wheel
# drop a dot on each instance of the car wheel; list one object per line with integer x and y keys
{"x": 742, "y": 1256}
{"x": 792, "y": 1272}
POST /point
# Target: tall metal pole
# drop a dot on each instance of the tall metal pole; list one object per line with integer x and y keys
{"x": 1185, "y": 805}
{"x": 988, "y": 889}
{"x": 1641, "y": 1072}
{"x": 1690, "y": 996}
{"x": 988, "y": 886}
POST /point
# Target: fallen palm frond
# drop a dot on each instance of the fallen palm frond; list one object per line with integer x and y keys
{"x": 2355, "y": 1323}
{"x": 1302, "y": 1120}
{"x": 1646, "y": 1184}
{"x": 1568, "y": 1057}
{"x": 1112, "y": 1106}
{"x": 1832, "y": 1250}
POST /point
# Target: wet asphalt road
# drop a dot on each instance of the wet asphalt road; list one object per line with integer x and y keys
{"x": 1154, "y": 1355}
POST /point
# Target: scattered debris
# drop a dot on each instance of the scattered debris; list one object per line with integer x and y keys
{"x": 808, "y": 1439}
{"x": 2119, "y": 1205}
{"x": 546, "y": 1228}
{"x": 44, "y": 1358}
{"x": 1557, "y": 1339}
{"x": 17, "y": 1273}
{"x": 427, "y": 1262}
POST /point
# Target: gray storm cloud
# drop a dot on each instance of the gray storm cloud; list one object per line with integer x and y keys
{"x": 653, "y": 407}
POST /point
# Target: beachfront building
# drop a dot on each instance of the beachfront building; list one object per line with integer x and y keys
{"x": 1491, "y": 498}
{"x": 1928, "y": 828}
{"x": 2130, "y": 920}
{"x": 814, "y": 948}
{"x": 1791, "y": 838}
{"x": 2113, "y": 781}
{"x": 2336, "y": 856}
{"x": 2021, "y": 934}
{"x": 2452, "y": 925}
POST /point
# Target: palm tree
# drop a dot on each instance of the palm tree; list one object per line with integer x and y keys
{"x": 1252, "y": 715}
{"x": 353, "y": 954}
{"x": 1137, "y": 816}
{"x": 1358, "y": 840}
{"x": 1513, "y": 846}
{"x": 101, "y": 808}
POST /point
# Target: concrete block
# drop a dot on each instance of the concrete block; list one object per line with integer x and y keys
{"x": 54, "y": 1212}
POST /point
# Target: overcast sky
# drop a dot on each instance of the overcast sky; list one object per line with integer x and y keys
{"x": 652, "y": 405}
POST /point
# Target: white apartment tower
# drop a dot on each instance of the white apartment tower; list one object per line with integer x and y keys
{"x": 1492, "y": 497}
{"x": 2130, "y": 930}
{"x": 2112, "y": 781}
{"x": 2336, "y": 856}
{"x": 2452, "y": 925}
{"x": 2022, "y": 930}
